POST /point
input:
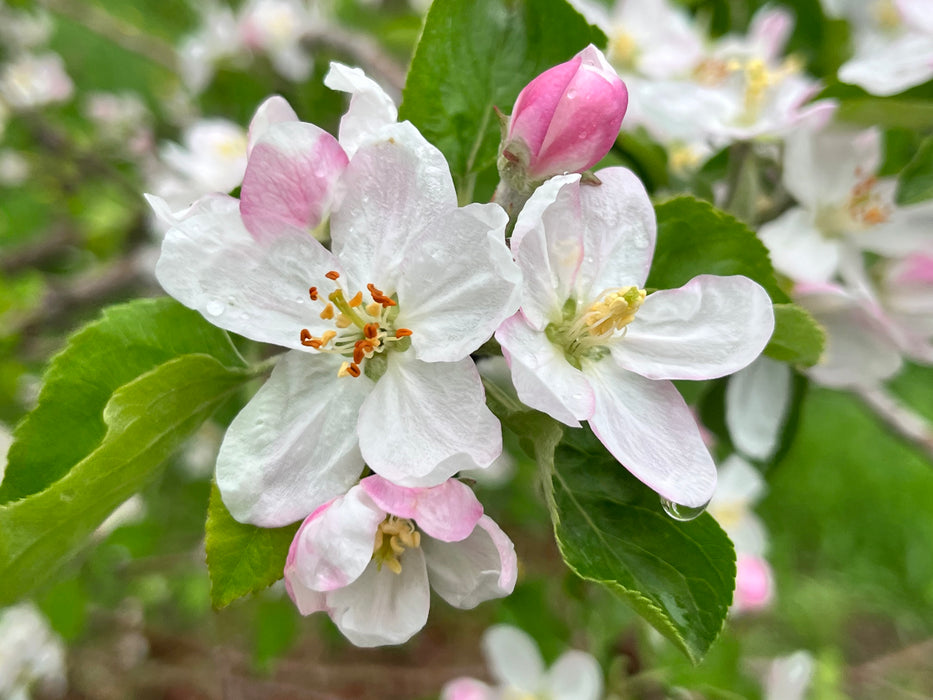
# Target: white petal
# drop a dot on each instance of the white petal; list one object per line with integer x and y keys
{"x": 710, "y": 327}
{"x": 274, "y": 110}
{"x": 887, "y": 67}
{"x": 458, "y": 282}
{"x": 575, "y": 676}
{"x": 619, "y": 233}
{"x": 370, "y": 107}
{"x": 210, "y": 263}
{"x": 548, "y": 246}
{"x": 335, "y": 544}
{"x": 381, "y": 607}
{"x": 908, "y": 230}
{"x": 646, "y": 425}
{"x": 294, "y": 445}
{"x": 395, "y": 186}
{"x": 541, "y": 374}
{"x": 757, "y": 399}
{"x": 306, "y": 600}
{"x": 797, "y": 247}
{"x": 474, "y": 570}
{"x": 425, "y": 420}
{"x": 513, "y": 658}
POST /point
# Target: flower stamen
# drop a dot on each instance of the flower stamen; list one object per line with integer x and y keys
{"x": 393, "y": 537}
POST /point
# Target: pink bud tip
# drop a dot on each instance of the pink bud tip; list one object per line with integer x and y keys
{"x": 569, "y": 116}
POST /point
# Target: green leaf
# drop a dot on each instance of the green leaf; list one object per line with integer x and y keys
{"x": 915, "y": 183}
{"x": 242, "y": 559}
{"x": 147, "y": 419}
{"x": 695, "y": 238}
{"x": 475, "y": 55}
{"x": 887, "y": 112}
{"x": 126, "y": 342}
{"x": 610, "y": 529}
{"x": 798, "y": 339}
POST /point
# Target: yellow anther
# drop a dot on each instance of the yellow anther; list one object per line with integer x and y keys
{"x": 342, "y": 321}
{"x": 344, "y": 370}
{"x": 885, "y": 14}
{"x": 327, "y": 336}
{"x": 683, "y": 159}
{"x": 328, "y": 312}
{"x": 373, "y": 309}
{"x": 393, "y": 537}
{"x": 614, "y": 310}
{"x": 357, "y": 299}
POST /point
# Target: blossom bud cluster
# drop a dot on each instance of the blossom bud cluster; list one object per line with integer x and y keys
{"x": 353, "y": 254}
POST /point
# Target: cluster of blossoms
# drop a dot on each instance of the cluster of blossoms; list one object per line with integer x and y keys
{"x": 381, "y": 322}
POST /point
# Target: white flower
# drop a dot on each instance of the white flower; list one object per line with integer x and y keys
{"x": 843, "y": 208}
{"x": 519, "y": 672}
{"x": 789, "y": 677}
{"x": 366, "y": 558}
{"x": 757, "y": 401}
{"x": 31, "y": 81}
{"x": 590, "y": 343}
{"x": 380, "y": 368}
{"x": 739, "y": 488}
{"x": 32, "y": 656}
{"x": 893, "y": 42}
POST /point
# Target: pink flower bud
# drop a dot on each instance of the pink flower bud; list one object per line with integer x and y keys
{"x": 567, "y": 118}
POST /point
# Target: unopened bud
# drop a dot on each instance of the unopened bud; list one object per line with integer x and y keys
{"x": 564, "y": 121}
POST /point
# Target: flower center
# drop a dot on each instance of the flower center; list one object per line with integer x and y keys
{"x": 361, "y": 331}
{"x": 885, "y": 13}
{"x": 393, "y": 537}
{"x": 864, "y": 208}
{"x": 583, "y": 333}
{"x": 755, "y": 76}
{"x": 623, "y": 49}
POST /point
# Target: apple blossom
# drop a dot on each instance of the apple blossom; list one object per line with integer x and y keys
{"x": 757, "y": 402}
{"x": 380, "y": 329}
{"x": 893, "y": 43}
{"x": 843, "y": 207}
{"x": 591, "y": 344}
{"x": 519, "y": 672}
{"x": 905, "y": 292}
{"x": 860, "y": 349}
{"x": 32, "y": 655}
{"x": 789, "y": 677}
{"x": 367, "y": 557}
{"x": 31, "y": 81}
{"x": 565, "y": 120}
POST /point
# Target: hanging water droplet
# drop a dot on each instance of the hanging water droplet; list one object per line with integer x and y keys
{"x": 67, "y": 496}
{"x": 681, "y": 512}
{"x": 214, "y": 307}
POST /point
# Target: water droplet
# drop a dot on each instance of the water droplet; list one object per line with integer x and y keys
{"x": 67, "y": 496}
{"x": 571, "y": 94}
{"x": 681, "y": 512}
{"x": 214, "y": 307}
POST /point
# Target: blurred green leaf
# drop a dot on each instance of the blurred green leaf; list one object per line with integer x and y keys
{"x": 798, "y": 339}
{"x": 126, "y": 342}
{"x": 475, "y": 55}
{"x": 242, "y": 558}
{"x": 611, "y": 529}
{"x": 275, "y": 633}
{"x": 887, "y": 112}
{"x": 147, "y": 419}
{"x": 915, "y": 183}
{"x": 695, "y": 238}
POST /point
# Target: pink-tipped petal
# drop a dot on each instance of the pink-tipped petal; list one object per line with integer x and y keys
{"x": 468, "y": 689}
{"x": 448, "y": 512}
{"x": 291, "y": 179}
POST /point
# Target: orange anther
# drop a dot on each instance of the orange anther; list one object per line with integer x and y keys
{"x": 353, "y": 370}
{"x": 306, "y": 338}
{"x": 356, "y": 300}
{"x": 402, "y": 333}
{"x": 328, "y": 312}
{"x": 312, "y": 292}
{"x": 371, "y": 330}
{"x": 332, "y": 275}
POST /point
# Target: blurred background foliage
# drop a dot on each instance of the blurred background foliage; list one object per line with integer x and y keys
{"x": 849, "y": 505}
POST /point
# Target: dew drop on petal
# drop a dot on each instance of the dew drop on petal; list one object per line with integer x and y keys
{"x": 681, "y": 512}
{"x": 214, "y": 307}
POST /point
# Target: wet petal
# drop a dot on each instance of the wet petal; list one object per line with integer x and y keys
{"x": 273, "y": 111}
{"x": 648, "y": 427}
{"x": 710, "y": 327}
{"x": 210, "y": 263}
{"x": 370, "y": 107}
{"x": 458, "y": 283}
{"x": 423, "y": 420}
{"x": 294, "y": 445}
